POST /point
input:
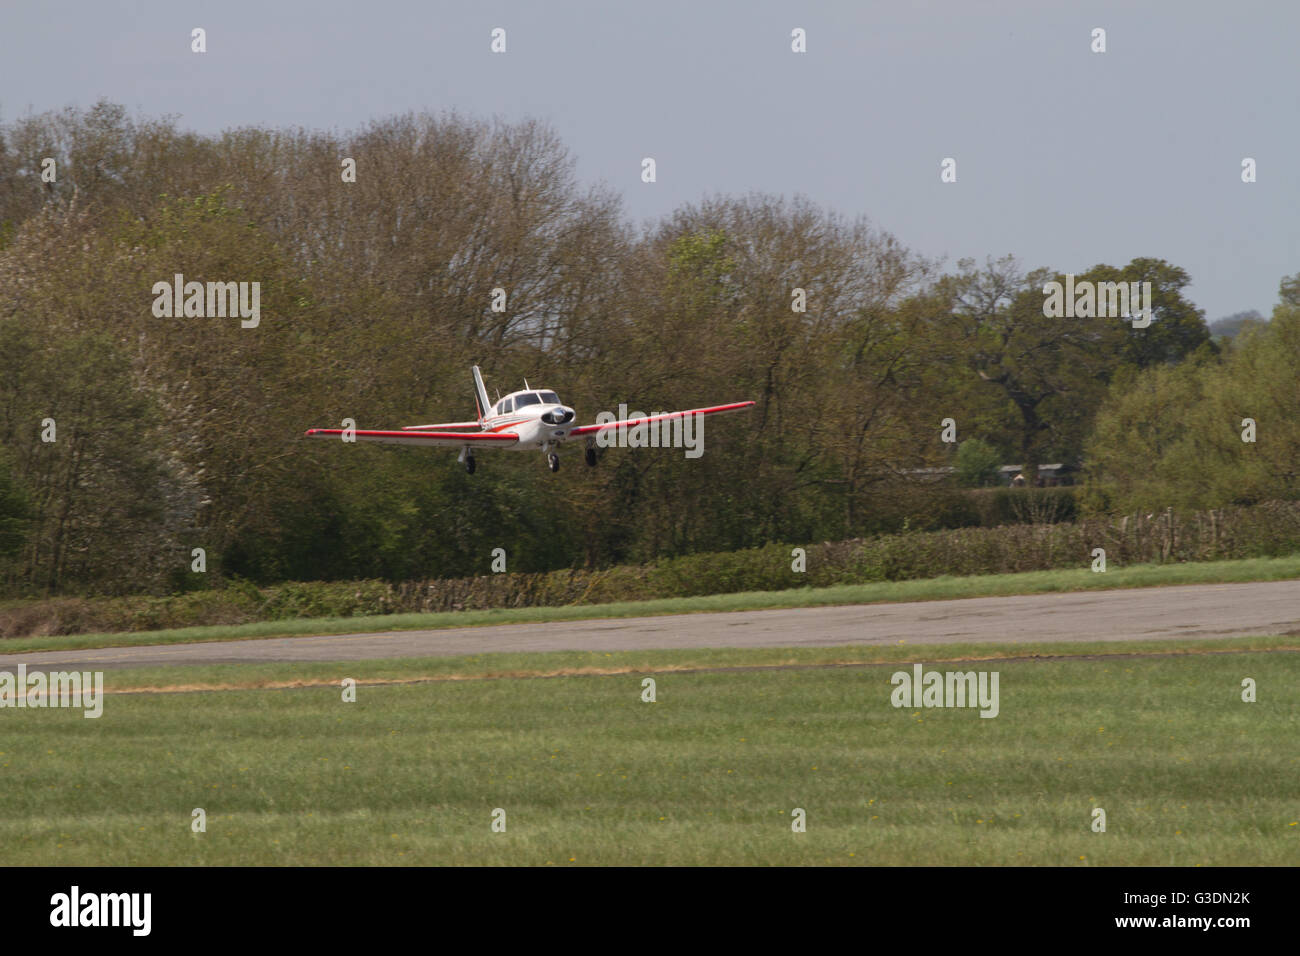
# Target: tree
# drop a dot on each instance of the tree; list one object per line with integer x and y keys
{"x": 977, "y": 464}
{"x": 1230, "y": 325}
{"x": 1177, "y": 436}
{"x": 15, "y": 510}
{"x": 1177, "y": 329}
{"x": 1054, "y": 371}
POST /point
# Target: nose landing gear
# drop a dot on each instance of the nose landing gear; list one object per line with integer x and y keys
{"x": 553, "y": 461}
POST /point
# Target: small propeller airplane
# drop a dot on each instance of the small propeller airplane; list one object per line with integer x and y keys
{"x": 531, "y": 419}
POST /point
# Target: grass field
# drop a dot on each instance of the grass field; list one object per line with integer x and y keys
{"x": 930, "y": 589}
{"x": 588, "y": 773}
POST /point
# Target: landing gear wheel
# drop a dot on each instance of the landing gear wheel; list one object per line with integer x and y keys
{"x": 553, "y": 460}
{"x": 470, "y": 464}
{"x": 591, "y": 458}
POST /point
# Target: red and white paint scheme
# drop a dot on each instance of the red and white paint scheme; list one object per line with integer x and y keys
{"x": 530, "y": 419}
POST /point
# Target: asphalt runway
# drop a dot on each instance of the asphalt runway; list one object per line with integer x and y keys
{"x": 1199, "y": 611}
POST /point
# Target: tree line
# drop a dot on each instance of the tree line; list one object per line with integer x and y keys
{"x": 128, "y": 440}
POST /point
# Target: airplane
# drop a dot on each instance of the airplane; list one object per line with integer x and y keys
{"x": 530, "y": 419}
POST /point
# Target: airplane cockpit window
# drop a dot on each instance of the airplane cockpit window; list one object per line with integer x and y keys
{"x": 549, "y": 398}
{"x": 506, "y": 406}
{"x": 527, "y": 398}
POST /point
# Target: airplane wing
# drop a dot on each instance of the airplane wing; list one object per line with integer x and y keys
{"x": 420, "y": 437}
{"x": 416, "y": 428}
{"x": 667, "y": 416}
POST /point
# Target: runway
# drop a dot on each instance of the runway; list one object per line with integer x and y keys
{"x": 1199, "y": 611}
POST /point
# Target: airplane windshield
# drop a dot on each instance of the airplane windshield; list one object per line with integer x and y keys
{"x": 550, "y": 398}
{"x": 527, "y": 398}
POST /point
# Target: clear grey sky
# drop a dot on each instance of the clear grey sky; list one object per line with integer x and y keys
{"x": 1065, "y": 157}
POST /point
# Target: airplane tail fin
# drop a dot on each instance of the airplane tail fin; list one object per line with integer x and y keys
{"x": 481, "y": 396}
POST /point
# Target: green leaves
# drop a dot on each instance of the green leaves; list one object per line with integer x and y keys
{"x": 977, "y": 464}
{"x": 1211, "y": 432}
{"x": 470, "y": 242}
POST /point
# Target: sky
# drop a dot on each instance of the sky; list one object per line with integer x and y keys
{"x": 1065, "y": 157}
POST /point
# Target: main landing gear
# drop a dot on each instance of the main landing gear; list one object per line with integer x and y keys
{"x": 591, "y": 458}
{"x": 467, "y": 459}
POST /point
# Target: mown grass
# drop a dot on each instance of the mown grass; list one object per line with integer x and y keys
{"x": 931, "y": 589}
{"x": 588, "y": 773}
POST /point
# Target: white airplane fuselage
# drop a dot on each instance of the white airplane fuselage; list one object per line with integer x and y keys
{"x": 537, "y": 425}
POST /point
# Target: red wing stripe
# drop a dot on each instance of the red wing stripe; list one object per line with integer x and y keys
{"x": 510, "y": 424}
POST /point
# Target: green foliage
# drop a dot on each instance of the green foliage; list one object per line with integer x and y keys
{"x": 758, "y": 569}
{"x": 177, "y": 433}
{"x": 701, "y": 257}
{"x": 15, "y": 510}
{"x": 1053, "y": 371}
{"x": 1174, "y": 436}
{"x": 994, "y": 507}
{"x": 977, "y": 464}
{"x": 1270, "y": 529}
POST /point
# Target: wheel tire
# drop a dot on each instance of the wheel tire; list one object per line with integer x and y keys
{"x": 470, "y": 464}
{"x": 591, "y": 458}
{"x": 553, "y": 461}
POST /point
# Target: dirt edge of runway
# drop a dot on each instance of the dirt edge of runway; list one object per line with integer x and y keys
{"x": 630, "y": 670}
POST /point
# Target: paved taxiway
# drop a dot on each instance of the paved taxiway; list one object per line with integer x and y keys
{"x": 1200, "y": 611}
